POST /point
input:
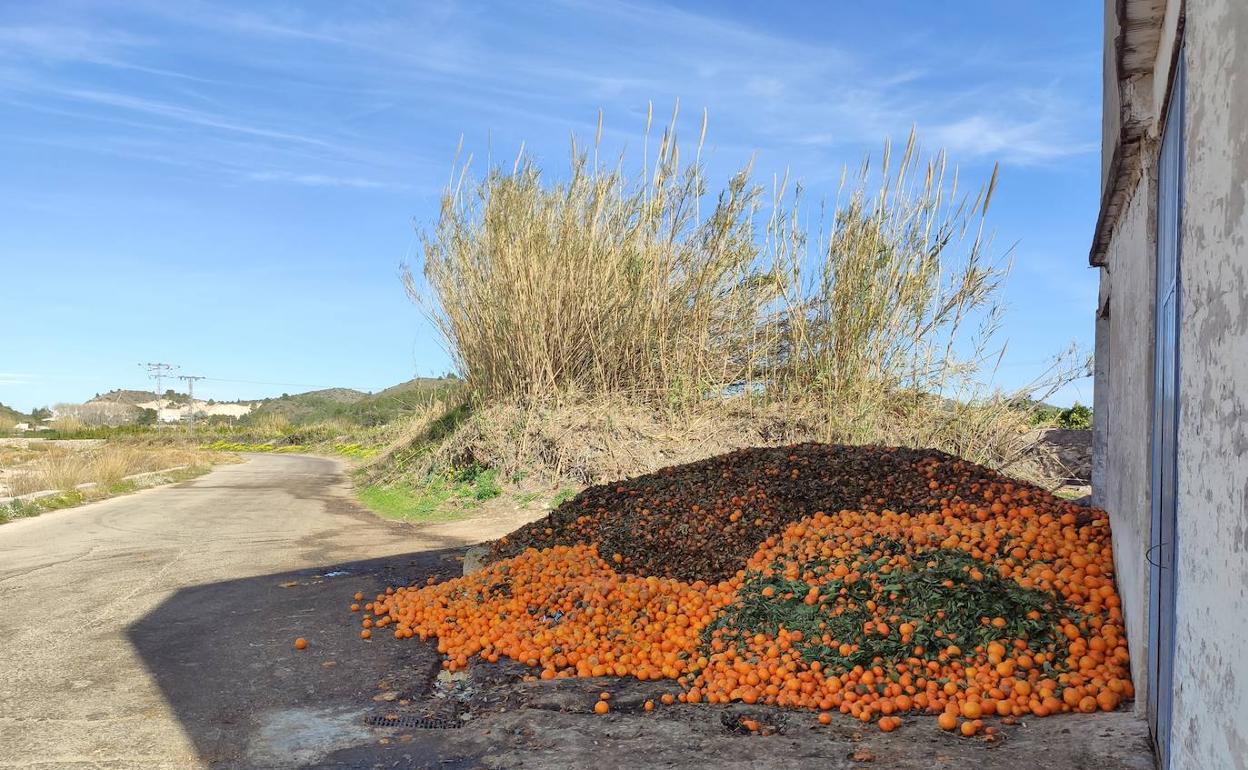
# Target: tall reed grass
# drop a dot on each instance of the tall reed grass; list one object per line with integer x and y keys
{"x": 883, "y": 315}
{"x": 67, "y": 424}
{"x": 598, "y": 283}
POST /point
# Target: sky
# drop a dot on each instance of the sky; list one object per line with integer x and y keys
{"x": 232, "y": 186}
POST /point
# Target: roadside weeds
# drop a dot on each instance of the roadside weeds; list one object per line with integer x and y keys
{"x": 28, "y": 506}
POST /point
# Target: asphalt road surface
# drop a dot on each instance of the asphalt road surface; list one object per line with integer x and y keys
{"x": 156, "y": 630}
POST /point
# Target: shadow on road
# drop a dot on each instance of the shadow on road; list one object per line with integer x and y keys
{"x": 224, "y": 658}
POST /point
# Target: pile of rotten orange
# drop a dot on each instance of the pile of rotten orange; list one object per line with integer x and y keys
{"x": 866, "y": 580}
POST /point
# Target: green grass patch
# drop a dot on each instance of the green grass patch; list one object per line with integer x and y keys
{"x": 22, "y": 509}
{"x": 222, "y": 445}
{"x": 406, "y": 503}
{"x": 355, "y": 451}
{"x": 524, "y": 498}
{"x": 446, "y": 496}
{"x": 123, "y": 487}
{"x": 481, "y": 483}
{"x": 562, "y": 497}
{"x": 352, "y": 450}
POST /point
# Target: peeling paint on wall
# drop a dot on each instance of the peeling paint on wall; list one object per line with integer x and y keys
{"x": 1210, "y": 727}
{"x": 1126, "y": 387}
{"x": 1211, "y": 694}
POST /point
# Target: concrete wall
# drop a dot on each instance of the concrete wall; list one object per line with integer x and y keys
{"x": 1211, "y": 679}
{"x": 1210, "y": 715}
{"x": 1124, "y": 399}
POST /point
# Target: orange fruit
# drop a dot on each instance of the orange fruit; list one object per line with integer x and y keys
{"x": 645, "y": 600}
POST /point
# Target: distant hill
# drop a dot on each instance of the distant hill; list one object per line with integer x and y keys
{"x": 345, "y": 404}
{"x": 301, "y": 408}
{"x": 337, "y": 395}
{"x": 9, "y": 414}
{"x": 353, "y": 405}
{"x": 397, "y": 400}
{"x": 131, "y": 397}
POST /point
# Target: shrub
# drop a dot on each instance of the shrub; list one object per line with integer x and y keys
{"x": 271, "y": 425}
{"x": 1077, "y": 417}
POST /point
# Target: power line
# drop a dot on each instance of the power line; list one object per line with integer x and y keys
{"x": 284, "y": 384}
{"x": 158, "y": 372}
{"x": 190, "y": 392}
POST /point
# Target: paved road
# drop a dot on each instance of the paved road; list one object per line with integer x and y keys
{"x": 153, "y": 630}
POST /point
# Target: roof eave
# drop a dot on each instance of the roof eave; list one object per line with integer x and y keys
{"x": 1139, "y": 25}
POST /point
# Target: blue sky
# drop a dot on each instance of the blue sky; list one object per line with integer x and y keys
{"x": 232, "y": 186}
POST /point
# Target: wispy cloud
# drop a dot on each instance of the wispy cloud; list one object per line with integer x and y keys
{"x": 187, "y": 115}
{"x": 52, "y": 42}
{"x": 997, "y": 136}
{"x": 322, "y": 180}
{"x": 772, "y": 90}
{"x": 264, "y": 75}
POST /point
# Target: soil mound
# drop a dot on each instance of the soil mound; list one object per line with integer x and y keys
{"x": 703, "y": 520}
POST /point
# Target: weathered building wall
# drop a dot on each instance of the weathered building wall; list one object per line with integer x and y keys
{"x": 1124, "y": 388}
{"x": 1111, "y": 120}
{"x": 1100, "y": 393}
{"x": 1211, "y": 645}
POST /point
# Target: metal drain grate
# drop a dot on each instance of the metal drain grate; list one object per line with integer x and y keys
{"x": 420, "y": 723}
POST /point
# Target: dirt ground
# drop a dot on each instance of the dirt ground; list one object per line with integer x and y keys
{"x": 175, "y": 650}
{"x": 1063, "y": 457}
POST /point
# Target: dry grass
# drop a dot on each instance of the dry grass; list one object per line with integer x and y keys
{"x": 644, "y": 302}
{"x": 599, "y": 284}
{"x": 612, "y": 437}
{"x": 271, "y": 425}
{"x": 63, "y": 469}
{"x": 418, "y": 440}
{"x": 67, "y": 424}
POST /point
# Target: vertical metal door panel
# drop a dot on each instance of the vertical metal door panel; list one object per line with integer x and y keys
{"x": 1163, "y": 537}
